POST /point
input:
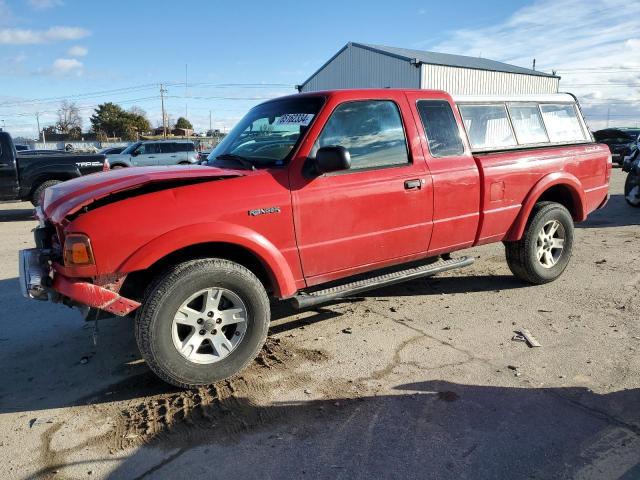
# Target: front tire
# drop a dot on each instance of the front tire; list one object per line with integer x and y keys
{"x": 38, "y": 193}
{"x": 202, "y": 321}
{"x": 544, "y": 250}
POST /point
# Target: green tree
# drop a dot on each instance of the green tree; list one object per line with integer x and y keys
{"x": 183, "y": 123}
{"x": 112, "y": 120}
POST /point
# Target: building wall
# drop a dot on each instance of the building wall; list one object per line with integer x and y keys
{"x": 357, "y": 67}
{"x": 465, "y": 81}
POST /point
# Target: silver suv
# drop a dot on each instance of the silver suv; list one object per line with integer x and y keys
{"x": 155, "y": 152}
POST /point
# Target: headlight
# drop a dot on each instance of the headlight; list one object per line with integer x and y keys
{"x": 77, "y": 250}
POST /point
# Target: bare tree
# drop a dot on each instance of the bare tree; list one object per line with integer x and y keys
{"x": 69, "y": 120}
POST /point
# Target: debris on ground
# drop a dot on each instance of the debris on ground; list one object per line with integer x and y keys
{"x": 524, "y": 335}
{"x": 34, "y": 422}
{"x": 600, "y": 262}
{"x": 347, "y": 330}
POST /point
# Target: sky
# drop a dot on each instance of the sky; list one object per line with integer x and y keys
{"x": 221, "y": 58}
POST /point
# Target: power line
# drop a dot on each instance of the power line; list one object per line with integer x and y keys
{"x": 134, "y": 88}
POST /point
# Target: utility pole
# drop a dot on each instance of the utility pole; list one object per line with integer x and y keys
{"x": 534, "y": 64}
{"x": 210, "y": 129}
{"x": 164, "y": 118}
{"x": 186, "y": 91}
{"x": 38, "y": 121}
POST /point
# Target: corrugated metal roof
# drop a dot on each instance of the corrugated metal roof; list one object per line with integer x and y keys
{"x": 448, "y": 59}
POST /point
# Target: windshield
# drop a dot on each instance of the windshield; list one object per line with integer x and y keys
{"x": 131, "y": 148}
{"x": 269, "y": 133}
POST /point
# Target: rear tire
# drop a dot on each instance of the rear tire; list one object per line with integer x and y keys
{"x": 630, "y": 183}
{"x": 36, "y": 196}
{"x": 544, "y": 250}
{"x": 176, "y": 349}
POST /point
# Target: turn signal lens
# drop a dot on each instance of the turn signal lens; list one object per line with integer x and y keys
{"x": 77, "y": 250}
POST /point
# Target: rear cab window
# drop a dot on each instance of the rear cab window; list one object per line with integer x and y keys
{"x": 441, "y": 128}
{"x": 372, "y": 132}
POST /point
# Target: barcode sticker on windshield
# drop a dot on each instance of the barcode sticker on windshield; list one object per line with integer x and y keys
{"x": 302, "y": 119}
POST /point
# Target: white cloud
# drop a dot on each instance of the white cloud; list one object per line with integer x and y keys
{"x": 65, "y": 66}
{"x": 17, "y": 36}
{"x": 593, "y": 46}
{"x": 44, "y": 4}
{"x": 77, "y": 51}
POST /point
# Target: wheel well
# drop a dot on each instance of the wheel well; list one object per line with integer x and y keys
{"x": 136, "y": 282}
{"x": 111, "y": 165}
{"x": 563, "y": 195}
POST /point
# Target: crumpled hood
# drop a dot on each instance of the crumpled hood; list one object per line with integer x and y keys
{"x": 68, "y": 197}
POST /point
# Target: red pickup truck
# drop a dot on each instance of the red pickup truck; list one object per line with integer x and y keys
{"x": 311, "y": 198}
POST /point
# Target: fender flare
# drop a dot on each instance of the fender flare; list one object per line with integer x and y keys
{"x": 545, "y": 183}
{"x": 272, "y": 259}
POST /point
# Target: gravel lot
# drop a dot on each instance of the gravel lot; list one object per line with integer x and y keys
{"x": 421, "y": 380}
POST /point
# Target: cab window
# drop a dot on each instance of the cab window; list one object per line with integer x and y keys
{"x": 370, "y": 130}
{"x": 441, "y": 128}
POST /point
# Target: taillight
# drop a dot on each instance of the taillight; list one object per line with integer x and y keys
{"x": 77, "y": 250}
{"x": 105, "y": 166}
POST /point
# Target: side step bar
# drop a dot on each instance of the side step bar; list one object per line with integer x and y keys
{"x": 304, "y": 299}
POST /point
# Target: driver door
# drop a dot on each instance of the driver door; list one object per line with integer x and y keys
{"x": 374, "y": 214}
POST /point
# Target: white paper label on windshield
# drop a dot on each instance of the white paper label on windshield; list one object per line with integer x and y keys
{"x": 302, "y": 119}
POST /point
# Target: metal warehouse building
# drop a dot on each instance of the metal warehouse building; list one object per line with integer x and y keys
{"x": 358, "y": 65}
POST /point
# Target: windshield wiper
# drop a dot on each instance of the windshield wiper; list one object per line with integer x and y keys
{"x": 243, "y": 162}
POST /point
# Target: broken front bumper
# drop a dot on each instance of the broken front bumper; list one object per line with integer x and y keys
{"x": 38, "y": 280}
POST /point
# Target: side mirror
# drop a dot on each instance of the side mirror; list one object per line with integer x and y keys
{"x": 135, "y": 153}
{"x": 332, "y": 159}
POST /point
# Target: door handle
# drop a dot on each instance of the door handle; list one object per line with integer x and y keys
{"x": 412, "y": 184}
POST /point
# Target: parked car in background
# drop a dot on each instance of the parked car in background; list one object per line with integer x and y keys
{"x": 203, "y": 156}
{"x": 155, "y": 152}
{"x": 25, "y": 177}
{"x": 21, "y": 148}
{"x": 305, "y": 192}
{"x": 619, "y": 140}
{"x": 112, "y": 150}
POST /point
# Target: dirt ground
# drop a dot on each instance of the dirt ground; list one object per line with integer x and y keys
{"x": 420, "y": 380}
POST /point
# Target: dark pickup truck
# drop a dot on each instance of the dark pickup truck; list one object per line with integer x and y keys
{"x": 25, "y": 177}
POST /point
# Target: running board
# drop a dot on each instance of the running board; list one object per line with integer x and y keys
{"x": 304, "y": 299}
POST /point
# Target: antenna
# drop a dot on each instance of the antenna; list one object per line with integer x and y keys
{"x": 534, "y": 64}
